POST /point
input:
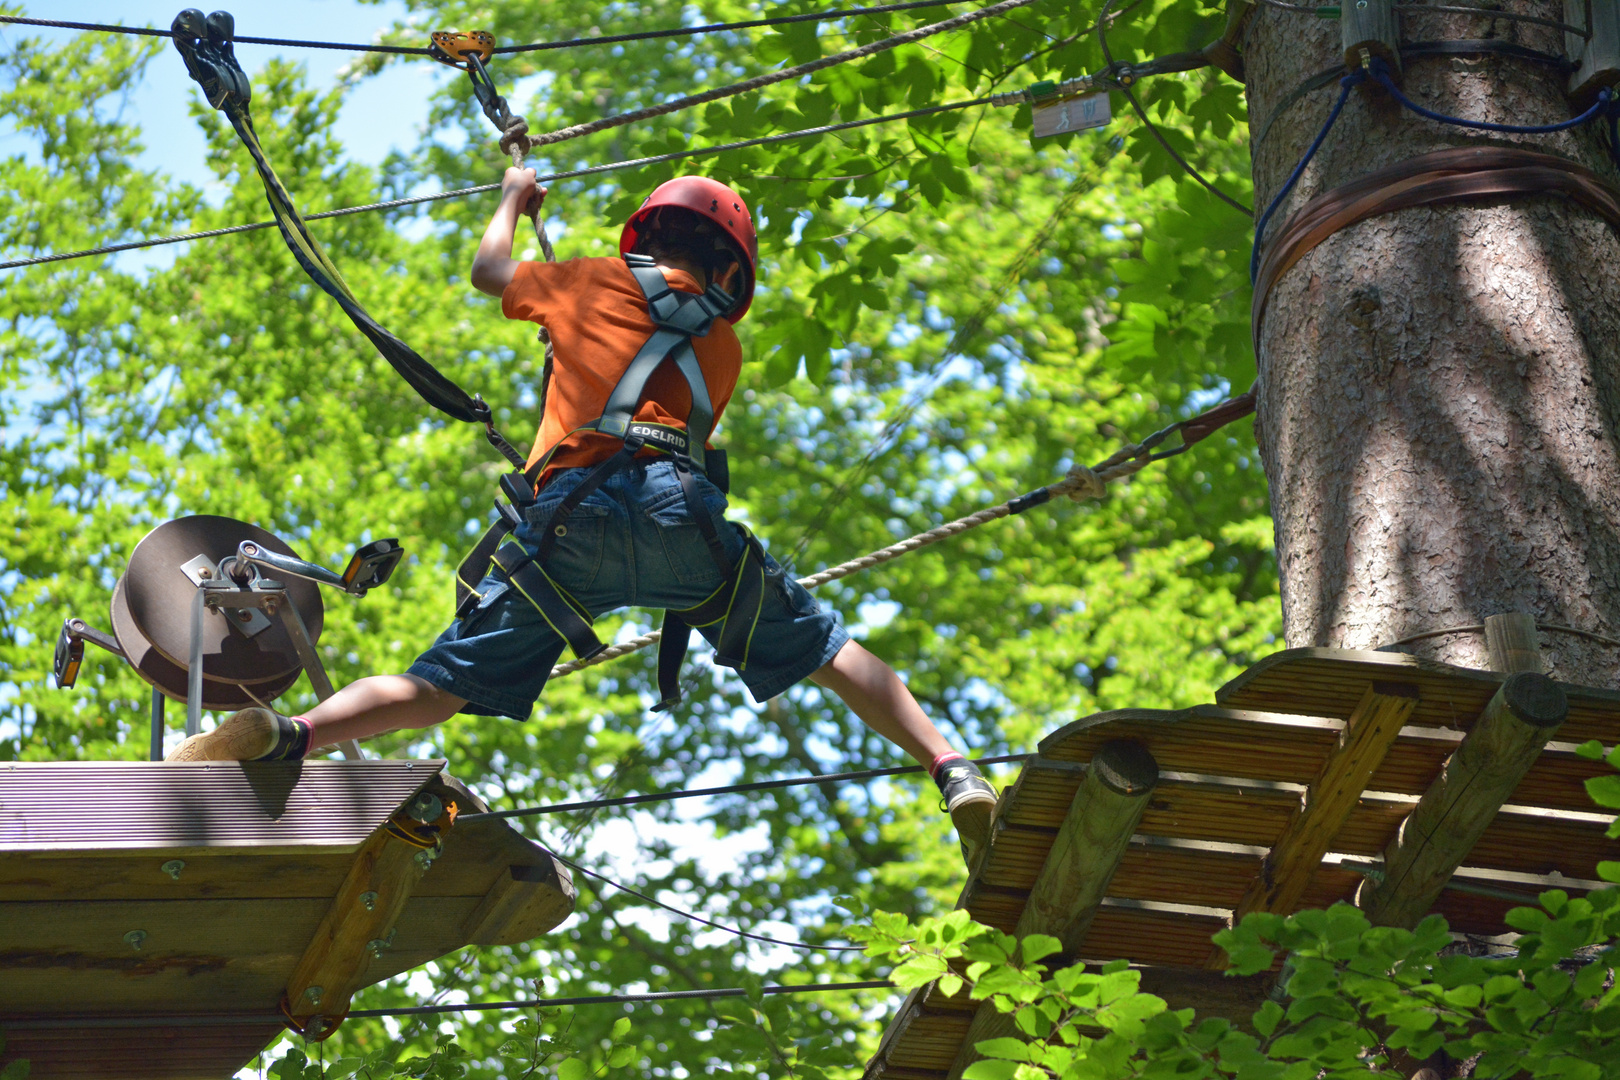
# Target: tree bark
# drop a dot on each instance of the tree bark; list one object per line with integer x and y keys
{"x": 1439, "y": 387}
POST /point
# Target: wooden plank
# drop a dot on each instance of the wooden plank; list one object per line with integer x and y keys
{"x": 1460, "y": 805}
{"x": 140, "y": 875}
{"x": 1151, "y": 936}
{"x": 1212, "y": 993}
{"x": 1321, "y": 815}
{"x": 1222, "y": 742}
{"x": 1079, "y": 865}
{"x": 1519, "y": 840}
{"x": 106, "y": 807}
{"x": 199, "y": 954}
{"x": 1319, "y": 682}
{"x": 479, "y": 856}
{"x": 148, "y": 1050}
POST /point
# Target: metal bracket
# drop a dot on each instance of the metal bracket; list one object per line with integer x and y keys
{"x": 1596, "y": 56}
{"x": 249, "y": 622}
{"x": 264, "y": 598}
{"x": 371, "y": 565}
{"x": 1368, "y": 28}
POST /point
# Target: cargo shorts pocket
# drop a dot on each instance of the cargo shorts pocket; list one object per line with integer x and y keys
{"x": 575, "y": 558}
{"x": 690, "y": 560}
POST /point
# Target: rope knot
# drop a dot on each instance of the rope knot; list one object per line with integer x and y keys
{"x": 1081, "y": 483}
{"x": 515, "y": 141}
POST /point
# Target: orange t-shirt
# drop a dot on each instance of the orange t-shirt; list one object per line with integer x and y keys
{"x": 598, "y": 319}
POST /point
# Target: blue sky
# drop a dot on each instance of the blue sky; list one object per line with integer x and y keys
{"x": 382, "y": 113}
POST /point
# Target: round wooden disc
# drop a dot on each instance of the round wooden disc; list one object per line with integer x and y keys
{"x": 150, "y": 665}
{"x": 160, "y": 595}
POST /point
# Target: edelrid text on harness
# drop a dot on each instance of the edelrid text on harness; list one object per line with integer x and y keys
{"x": 735, "y": 604}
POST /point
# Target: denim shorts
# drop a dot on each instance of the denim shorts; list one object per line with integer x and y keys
{"x": 630, "y": 543}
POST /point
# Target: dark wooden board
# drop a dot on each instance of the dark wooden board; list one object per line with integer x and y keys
{"x": 1232, "y": 776}
{"x": 1327, "y": 682}
{"x": 258, "y": 877}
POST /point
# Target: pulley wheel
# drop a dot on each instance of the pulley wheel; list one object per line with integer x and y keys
{"x": 171, "y": 678}
{"x": 160, "y": 595}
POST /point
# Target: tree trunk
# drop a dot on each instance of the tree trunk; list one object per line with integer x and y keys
{"x": 1439, "y": 387}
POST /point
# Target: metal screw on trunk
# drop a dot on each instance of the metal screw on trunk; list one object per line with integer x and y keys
{"x": 173, "y": 868}
{"x": 135, "y": 939}
{"x": 313, "y": 993}
{"x": 368, "y": 900}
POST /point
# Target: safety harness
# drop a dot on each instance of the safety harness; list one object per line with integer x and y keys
{"x": 735, "y": 604}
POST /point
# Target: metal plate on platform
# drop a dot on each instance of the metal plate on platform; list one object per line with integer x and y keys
{"x": 160, "y": 594}
{"x": 170, "y": 678}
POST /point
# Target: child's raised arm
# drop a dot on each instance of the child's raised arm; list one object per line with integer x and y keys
{"x": 493, "y": 266}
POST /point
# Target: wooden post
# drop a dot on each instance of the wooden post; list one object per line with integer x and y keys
{"x": 1084, "y": 856}
{"x": 1513, "y": 643}
{"x": 358, "y": 926}
{"x": 1370, "y": 26}
{"x": 1298, "y": 852}
{"x": 1597, "y": 56}
{"x": 1453, "y": 813}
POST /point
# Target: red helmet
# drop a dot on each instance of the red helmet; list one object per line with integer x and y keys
{"x": 720, "y": 205}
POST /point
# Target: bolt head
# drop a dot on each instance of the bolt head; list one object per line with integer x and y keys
{"x": 173, "y": 868}
{"x": 368, "y": 900}
{"x": 135, "y": 939}
{"x": 425, "y": 808}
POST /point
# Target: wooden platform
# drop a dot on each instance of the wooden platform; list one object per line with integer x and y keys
{"x": 1232, "y": 786}
{"x": 152, "y": 915}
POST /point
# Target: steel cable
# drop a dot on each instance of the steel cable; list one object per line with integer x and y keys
{"x": 539, "y": 46}
{"x": 694, "y": 917}
{"x": 592, "y": 170}
{"x": 1136, "y": 106}
{"x": 759, "y": 82}
{"x": 621, "y": 999}
{"x": 727, "y": 789}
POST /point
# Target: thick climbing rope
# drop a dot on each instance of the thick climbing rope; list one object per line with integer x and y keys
{"x": 569, "y": 174}
{"x": 576, "y": 131}
{"x": 622, "y": 999}
{"x": 727, "y": 789}
{"x": 1078, "y": 485}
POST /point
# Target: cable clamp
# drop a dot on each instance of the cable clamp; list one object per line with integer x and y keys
{"x": 1045, "y": 90}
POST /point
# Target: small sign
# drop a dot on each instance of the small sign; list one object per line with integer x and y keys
{"x": 1072, "y": 114}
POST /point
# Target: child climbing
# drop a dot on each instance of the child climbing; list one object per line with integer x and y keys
{"x": 626, "y": 509}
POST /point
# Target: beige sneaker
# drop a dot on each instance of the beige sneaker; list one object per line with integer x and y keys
{"x": 971, "y": 802}
{"x": 246, "y": 736}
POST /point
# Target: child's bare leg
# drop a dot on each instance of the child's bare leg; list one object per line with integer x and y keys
{"x": 379, "y": 703}
{"x": 871, "y": 688}
{"x": 875, "y": 692}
